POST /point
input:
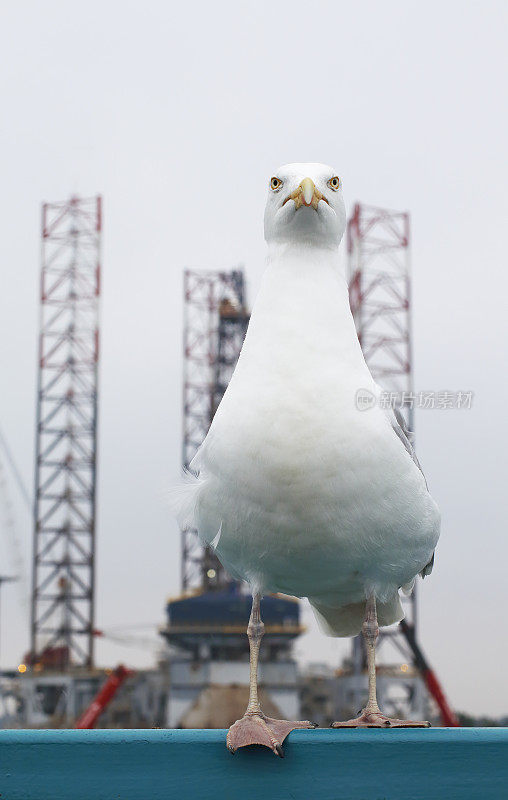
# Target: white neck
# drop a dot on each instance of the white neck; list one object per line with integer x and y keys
{"x": 303, "y": 252}
{"x": 302, "y": 313}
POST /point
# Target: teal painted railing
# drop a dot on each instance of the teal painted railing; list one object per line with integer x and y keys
{"x": 435, "y": 764}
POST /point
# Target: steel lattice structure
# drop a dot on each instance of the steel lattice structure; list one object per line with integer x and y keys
{"x": 380, "y": 298}
{"x": 63, "y": 589}
{"x": 214, "y": 327}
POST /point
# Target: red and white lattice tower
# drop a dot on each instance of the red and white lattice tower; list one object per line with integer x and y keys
{"x": 62, "y": 618}
{"x": 380, "y": 298}
{"x": 214, "y": 327}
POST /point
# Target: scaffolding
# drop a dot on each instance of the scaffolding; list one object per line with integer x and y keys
{"x": 63, "y": 586}
{"x": 380, "y": 297}
{"x": 214, "y": 328}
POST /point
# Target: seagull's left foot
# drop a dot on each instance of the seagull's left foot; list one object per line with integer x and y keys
{"x": 375, "y": 719}
{"x": 255, "y": 728}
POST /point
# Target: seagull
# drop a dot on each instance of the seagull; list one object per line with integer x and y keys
{"x": 296, "y": 488}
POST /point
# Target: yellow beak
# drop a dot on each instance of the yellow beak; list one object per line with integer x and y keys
{"x": 308, "y": 188}
{"x": 307, "y": 194}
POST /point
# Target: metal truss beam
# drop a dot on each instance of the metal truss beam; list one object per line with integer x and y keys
{"x": 63, "y": 582}
{"x": 214, "y": 328}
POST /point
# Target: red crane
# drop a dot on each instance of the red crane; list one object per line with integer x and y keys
{"x": 104, "y": 696}
{"x": 448, "y": 716}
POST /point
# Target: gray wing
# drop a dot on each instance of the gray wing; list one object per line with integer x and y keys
{"x": 399, "y": 426}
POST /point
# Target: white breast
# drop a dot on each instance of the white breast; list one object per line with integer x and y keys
{"x": 311, "y": 496}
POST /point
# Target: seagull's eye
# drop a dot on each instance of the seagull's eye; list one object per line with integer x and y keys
{"x": 334, "y": 183}
{"x": 275, "y": 183}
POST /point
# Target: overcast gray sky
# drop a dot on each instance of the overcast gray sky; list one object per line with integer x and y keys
{"x": 178, "y": 115}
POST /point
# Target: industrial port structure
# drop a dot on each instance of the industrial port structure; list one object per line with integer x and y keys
{"x": 207, "y": 650}
{"x": 215, "y": 321}
{"x": 63, "y": 572}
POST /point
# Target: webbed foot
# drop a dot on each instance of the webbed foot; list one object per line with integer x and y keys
{"x": 255, "y": 728}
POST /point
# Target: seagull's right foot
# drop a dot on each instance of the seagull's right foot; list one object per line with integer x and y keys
{"x": 376, "y": 719}
{"x": 255, "y": 728}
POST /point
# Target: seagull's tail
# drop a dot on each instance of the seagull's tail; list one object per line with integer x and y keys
{"x": 348, "y": 620}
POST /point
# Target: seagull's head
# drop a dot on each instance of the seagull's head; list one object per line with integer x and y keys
{"x": 305, "y": 204}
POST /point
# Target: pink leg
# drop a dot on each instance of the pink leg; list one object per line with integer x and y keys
{"x": 371, "y": 716}
{"x": 255, "y": 727}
